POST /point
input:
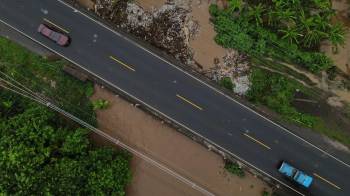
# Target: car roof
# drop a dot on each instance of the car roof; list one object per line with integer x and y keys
{"x": 46, "y": 31}
{"x": 55, "y": 36}
{"x": 287, "y": 169}
{"x": 303, "y": 179}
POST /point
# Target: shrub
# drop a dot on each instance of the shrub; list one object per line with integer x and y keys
{"x": 235, "y": 169}
{"x": 265, "y": 193}
{"x": 226, "y": 83}
{"x": 214, "y": 10}
{"x": 89, "y": 91}
{"x": 100, "y": 104}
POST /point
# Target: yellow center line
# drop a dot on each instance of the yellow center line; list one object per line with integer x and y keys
{"x": 189, "y": 102}
{"x": 120, "y": 62}
{"x": 62, "y": 29}
{"x": 257, "y": 141}
{"x": 318, "y": 176}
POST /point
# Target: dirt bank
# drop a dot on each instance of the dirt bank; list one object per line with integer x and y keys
{"x": 165, "y": 144}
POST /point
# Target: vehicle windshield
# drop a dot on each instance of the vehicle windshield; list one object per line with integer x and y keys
{"x": 55, "y": 36}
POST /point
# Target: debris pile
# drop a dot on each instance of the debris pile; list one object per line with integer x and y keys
{"x": 234, "y": 66}
{"x": 111, "y": 10}
{"x": 169, "y": 28}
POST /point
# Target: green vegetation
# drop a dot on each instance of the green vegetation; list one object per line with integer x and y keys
{"x": 100, "y": 104}
{"x": 47, "y": 78}
{"x": 347, "y": 111}
{"x": 286, "y": 30}
{"x": 234, "y": 168}
{"x": 89, "y": 91}
{"x": 41, "y": 154}
{"x": 274, "y": 32}
{"x": 277, "y": 92}
{"x": 334, "y": 133}
{"x": 265, "y": 193}
{"x": 226, "y": 83}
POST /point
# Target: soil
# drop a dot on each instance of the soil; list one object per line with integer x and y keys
{"x": 150, "y": 4}
{"x": 204, "y": 47}
{"x": 149, "y": 135}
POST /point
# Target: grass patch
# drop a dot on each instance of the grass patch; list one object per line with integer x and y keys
{"x": 277, "y": 92}
{"x": 274, "y": 65}
{"x": 334, "y": 133}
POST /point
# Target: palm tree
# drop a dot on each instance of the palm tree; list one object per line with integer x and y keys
{"x": 291, "y": 34}
{"x": 235, "y": 5}
{"x": 256, "y": 12}
{"x": 306, "y": 23}
{"x": 286, "y": 15}
{"x": 336, "y": 34}
{"x": 322, "y": 4}
{"x": 286, "y": 3}
{"x": 272, "y": 18}
{"x": 320, "y": 22}
{"x": 313, "y": 37}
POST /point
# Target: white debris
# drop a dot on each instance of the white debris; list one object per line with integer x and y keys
{"x": 170, "y": 27}
{"x": 242, "y": 85}
{"x": 236, "y": 67}
{"x": 137, "y": 17}
{"x": 335, "y": 102}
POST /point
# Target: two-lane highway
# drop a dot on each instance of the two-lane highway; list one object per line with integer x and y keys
{"x": 177, "y": 95}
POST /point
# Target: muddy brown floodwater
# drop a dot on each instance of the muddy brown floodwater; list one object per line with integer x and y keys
{"x": 204, "y": 47}
{"x": 86, "y": 3}
{"x": 149, "y": 135}
{"x": 150, "y": 4}
{"x": 342, "y": 57}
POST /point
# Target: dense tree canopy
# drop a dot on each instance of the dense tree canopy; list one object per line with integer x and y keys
{"x": 41, "y": 153}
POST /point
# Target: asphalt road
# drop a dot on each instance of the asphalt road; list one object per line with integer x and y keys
{"x": 179, "y": 96}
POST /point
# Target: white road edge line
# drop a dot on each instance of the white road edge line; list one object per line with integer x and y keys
{"x": 208, "y": 85}
{"x": 195, "y": 133}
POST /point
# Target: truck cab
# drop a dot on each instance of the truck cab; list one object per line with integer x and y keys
{"x": 295, "y": 174}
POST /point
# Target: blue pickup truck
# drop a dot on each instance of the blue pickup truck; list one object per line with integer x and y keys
{"x": 295, "y": 174}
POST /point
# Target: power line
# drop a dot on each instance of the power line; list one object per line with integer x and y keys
{"x": 139, "y": 154}
{"x": 61, "y": 101}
